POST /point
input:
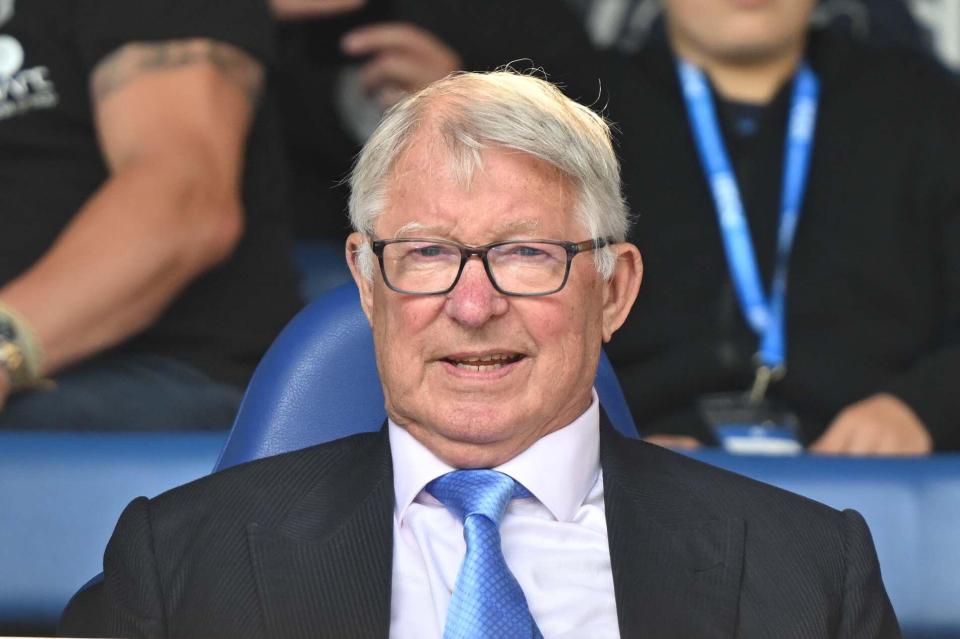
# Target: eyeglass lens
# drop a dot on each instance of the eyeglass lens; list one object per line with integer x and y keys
{"x": 516, "y": 267}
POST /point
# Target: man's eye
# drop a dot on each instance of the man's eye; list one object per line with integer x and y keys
{"x": 529, "y": 251}
{"x": 526, "y": 252}
{"x": 428, "y": 251}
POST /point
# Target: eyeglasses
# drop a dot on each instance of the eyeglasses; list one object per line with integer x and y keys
{"x": 523, "y": 268}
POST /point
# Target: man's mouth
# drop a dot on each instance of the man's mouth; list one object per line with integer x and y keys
{"x": 484, "y": 363}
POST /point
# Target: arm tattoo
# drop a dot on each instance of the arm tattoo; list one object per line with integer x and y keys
{"x": 133, "y": 60}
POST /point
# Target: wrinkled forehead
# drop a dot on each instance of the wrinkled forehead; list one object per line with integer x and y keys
{"x": 434, "y": 188}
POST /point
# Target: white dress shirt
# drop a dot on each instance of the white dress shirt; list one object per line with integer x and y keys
{"x": 555, "y": 543}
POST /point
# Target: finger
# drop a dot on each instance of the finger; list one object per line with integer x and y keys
{"x": 389, "y": 35}
{"x": 899, "y": 443}
{"x": 863, "y": 440}
{"x": 678, "y": 442}
{"x": 833, "y": 440}
{"x": 889, "y": 445}
{"x": 302, "y": 9}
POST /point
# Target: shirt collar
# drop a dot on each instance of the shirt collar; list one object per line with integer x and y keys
{"x": 575, "y": 448}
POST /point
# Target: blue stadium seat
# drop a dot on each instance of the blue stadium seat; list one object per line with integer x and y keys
{"x": 321, "y": 265}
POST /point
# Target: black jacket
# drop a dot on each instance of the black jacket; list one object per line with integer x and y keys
{"x": 300, "y": 545}
{"x": 873, "y": 300}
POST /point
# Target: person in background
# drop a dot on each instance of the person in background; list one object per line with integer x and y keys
{"x": 624, "y": 26}
{"x": 143, "y": 259}
{"x": 808, "y": 282}
{"x": 497, "y": 500}
{"x": 342, "y": 62}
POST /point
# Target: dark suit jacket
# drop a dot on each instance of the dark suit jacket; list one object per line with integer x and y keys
{"x": 300, "y": 545}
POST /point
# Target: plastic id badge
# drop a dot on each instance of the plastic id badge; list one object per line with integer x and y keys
{"x": 746, "y": 429}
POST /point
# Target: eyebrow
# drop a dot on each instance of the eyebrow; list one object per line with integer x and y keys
{"x": 524, "y": 225}
{"x": 416, "y": 228}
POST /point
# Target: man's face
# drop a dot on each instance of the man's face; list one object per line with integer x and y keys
{"x": 537, "y": 356}
{"x": 738, "y": 30}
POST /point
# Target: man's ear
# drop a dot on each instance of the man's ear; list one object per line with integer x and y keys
{"x": 620, "y": 291}
{"x": 356, "y": 243}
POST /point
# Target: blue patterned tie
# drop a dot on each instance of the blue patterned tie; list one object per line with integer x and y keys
{"x": 487, "y": 601}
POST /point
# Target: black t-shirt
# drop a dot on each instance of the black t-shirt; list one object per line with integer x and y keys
{"x": 873, "y": 299}
{"x": 50, "y": 164}
{"x": 486, "y": 35}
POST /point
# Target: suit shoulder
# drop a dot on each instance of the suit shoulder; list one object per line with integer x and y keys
{"x": 725, "y": 493}
{"x": 786, "y": 533}
{"x": 261, "y": 485}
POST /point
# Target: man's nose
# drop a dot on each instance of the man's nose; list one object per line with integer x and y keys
{"x": 474, "y": 300}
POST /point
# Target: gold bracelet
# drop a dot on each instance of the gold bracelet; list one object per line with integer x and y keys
{"x": 12, "y": 361}
{"x": 20, "y": 355}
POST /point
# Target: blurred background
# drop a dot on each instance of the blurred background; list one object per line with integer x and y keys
{"x": 128, "y": 405}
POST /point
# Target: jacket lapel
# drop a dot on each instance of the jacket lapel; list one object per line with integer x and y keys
{"x": 676, "y": 569}
{"x": 325, "y": 569}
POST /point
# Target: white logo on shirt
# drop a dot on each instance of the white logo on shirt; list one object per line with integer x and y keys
{"x": 21, "y": 90}
{"x": 11, "y": 56}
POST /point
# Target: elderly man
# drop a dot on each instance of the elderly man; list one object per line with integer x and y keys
{"x": 496, "y": 501}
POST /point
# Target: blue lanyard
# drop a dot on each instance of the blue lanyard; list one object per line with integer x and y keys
{"x": 766, "y": 317}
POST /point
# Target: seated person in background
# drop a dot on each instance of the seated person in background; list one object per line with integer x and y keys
{"x": 625, "y": 25}
{"x": 137, "y": 272}
{"x": 490, "y": 256}
{"x": 834, "y": 280}
{"x": 341, "y": 62}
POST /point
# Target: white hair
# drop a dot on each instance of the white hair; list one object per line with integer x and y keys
{"x": 474, "y": 111}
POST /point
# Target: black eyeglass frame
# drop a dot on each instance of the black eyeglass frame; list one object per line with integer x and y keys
{"x": 466, "y": 252}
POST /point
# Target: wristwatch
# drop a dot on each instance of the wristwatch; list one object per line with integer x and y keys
{"x": 12, "y": 358}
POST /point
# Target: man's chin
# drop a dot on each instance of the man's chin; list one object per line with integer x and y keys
{"x": 471, "y": 444}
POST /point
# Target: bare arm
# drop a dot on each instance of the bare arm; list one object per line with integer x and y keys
{"x": 172, "y": 119}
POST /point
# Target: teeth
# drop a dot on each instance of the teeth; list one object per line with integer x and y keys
{"x": 496, "y": 357}
{"x": 484, "y": 363}
{"x": 479, "y": 367}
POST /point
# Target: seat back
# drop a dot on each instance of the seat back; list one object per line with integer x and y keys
{"x": 318, "y": 382}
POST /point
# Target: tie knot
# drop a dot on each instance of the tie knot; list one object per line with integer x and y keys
{"x": 476, "y": 492}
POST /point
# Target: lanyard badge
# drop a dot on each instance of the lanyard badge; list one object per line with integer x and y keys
{"x": 765, "y": 313}
{"x": 750, "y": 424}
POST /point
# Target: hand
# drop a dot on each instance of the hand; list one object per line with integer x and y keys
{"x": 405, "y": 59}
{"x": 305, "y": 9}
{"x": 676, "y": 442}
{"x": 878, "y": 425}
